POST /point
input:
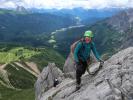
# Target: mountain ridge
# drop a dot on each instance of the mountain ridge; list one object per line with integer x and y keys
{"x": 112, "y": 82}
{"x": 108, "y": 36}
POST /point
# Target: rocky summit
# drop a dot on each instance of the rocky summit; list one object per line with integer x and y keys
{"x": 114, "y": 81}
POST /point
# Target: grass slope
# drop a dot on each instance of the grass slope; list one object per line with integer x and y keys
{"x": 12, "y": 94}
{"x": 41, "y": 56}
{"x": 16, "y": 78}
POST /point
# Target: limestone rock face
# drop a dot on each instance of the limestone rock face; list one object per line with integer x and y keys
{"x": 113, "y": 82}
{"x": 69, "y": 67}
{"x": 46, "y": 79}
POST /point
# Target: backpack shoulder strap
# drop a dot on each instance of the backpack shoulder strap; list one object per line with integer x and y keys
{"x": 91, "y": 44}
{"x": 82, "y": 41}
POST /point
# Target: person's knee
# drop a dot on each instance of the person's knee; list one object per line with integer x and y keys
{"x": 83, "y": 71}
{"x": 78, "y": 74}
{"x": 84, "y": 68}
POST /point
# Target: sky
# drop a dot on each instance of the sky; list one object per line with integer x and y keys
{"x": 59, "y": 4}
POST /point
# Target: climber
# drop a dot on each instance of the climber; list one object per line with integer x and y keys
{"x": 56, "y": 82}
{"x": 82, "y": 54}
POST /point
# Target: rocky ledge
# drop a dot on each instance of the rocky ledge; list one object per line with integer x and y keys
{"x": 113, "y": 82}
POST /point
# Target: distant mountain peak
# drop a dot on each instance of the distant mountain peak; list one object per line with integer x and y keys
{"x": 21, "y": 9}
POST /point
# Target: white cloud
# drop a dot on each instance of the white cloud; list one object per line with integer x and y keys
{"x": 68, "y": 3}
{"x": 8, "y": 4}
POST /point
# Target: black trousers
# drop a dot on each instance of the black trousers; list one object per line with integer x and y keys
{"x": 80, "y": 70}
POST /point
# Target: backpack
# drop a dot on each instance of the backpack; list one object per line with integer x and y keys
{"x": 73, "y": 46}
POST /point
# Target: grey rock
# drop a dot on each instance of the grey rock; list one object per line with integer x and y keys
{"x": 113, "y": 82}
{"x": 46, "y": 79}
{"x": 69, "y": 68}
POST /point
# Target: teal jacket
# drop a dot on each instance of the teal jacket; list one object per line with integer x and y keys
{"x": 83, "y": 50}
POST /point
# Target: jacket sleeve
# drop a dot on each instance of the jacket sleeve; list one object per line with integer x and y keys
{"x": 76, "y": 50}
{"x": 95, "y": 51}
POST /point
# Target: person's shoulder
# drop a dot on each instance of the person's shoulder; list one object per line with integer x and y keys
{"x": 92, "y": 42}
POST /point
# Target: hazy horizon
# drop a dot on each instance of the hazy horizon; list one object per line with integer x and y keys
{"x": 69, "y": 4}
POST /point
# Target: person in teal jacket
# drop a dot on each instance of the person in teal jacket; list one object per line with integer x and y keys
{"x": 82, "y": 54}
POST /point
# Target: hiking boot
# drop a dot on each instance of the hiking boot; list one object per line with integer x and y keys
{"x": 77, "y": 87}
